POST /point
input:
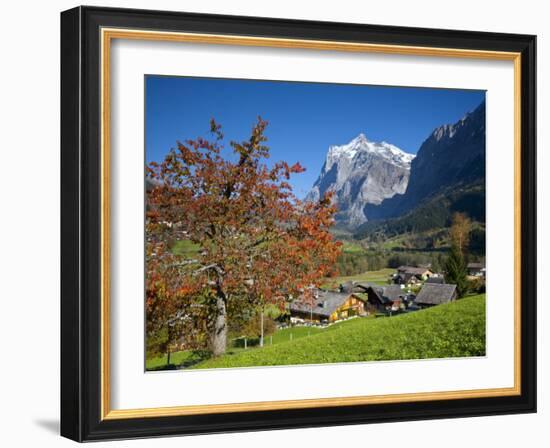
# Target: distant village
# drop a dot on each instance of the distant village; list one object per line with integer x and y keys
{"x": 409, "y": 289}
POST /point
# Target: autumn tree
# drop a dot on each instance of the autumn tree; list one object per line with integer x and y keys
{"x": 170, "y": 312}
{"x": 455, "y": 265}
{"x": 257, "y": 243}
{"x": 460, "y": 231}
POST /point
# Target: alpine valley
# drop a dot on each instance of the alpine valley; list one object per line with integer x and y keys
{"x": 388, "y": 199}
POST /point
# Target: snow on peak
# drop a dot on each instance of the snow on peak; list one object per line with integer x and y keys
{"x": 362, "y": 145}
{"x": 361, "y": 138}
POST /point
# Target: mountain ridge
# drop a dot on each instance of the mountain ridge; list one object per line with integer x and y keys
{"x": 452, "y": 155}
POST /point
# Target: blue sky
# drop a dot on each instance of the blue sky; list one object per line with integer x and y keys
{"x": 304, "y": 118}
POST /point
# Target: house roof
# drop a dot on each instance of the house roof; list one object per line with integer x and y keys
{"x": 438, "y": 280}
{"x": 364, "y": 285}
{"x": 324, "y": 304}
{"x": 356, "y": 287}
{"x": 435, "y": 294}
{"x": 393, "y": 292}
{"x": 407, "y": 277}
{"x": 476, "y": 265}
{"x": 412, "y": 270}
{"x": 346, "y": 286}
{"x": 388, "y": 294}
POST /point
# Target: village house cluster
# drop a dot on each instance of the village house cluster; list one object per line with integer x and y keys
{"x": 409, "y": 289}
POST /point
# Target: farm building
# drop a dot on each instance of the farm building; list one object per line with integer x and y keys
{"x": 383, "y": 298}
{"x": 327, "y": 306}
{"x": 433, "y": 294}
{"x": 407, "y": 275}
{"x": 351, "y": 287}
{"x": 476, "y": 269}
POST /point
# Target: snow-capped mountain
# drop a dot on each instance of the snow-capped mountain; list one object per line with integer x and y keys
{"x": 362, "y": 172}
{"x": 361, "y": 144}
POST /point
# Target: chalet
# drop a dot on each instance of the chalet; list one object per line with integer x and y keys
{"x": 327, "y": 306}
{"x": 433, "y": 294}
{"x": 476, "y": 269}
{"x": 383, "y": 299}
{"x": 407, "y": 275}
{"x": 353, "y": 287}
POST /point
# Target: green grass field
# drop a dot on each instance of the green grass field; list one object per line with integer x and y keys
{"x": 281, "y": 336}
{"x": 451, "y": 330}
{"x": 379, "y": 277}
{"x": 352, "y": 248}
{"x": 176, "y": 358}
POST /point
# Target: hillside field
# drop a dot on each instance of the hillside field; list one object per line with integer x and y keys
{"x": 451, "y": 330}
{"x": 380, "y": 277}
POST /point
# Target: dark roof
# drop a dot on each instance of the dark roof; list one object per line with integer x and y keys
{"x": 438, "y": 280}
{"x": 325, "y": 303}
{"x": 388, "y": 294}
{"x": 406, "y": 278}
{"x": 435, "y": 294}
{"x": 476, "y": 265}
{"x": 346, "y": 286}
{"x": 364, "y": 285}
{"x": 350, "y": 286}
{"x": 412, "y": 270}
{"x": 393, "y": 292}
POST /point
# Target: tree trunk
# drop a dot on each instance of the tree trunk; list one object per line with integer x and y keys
{"x": 218, "y": 339}
{"x": 262, "y": 328}
{"x": 168, "y": 358}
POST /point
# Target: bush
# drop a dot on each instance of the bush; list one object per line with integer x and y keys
{"x": 476, "y": 285}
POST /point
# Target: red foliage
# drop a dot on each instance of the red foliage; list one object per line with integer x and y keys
{"x": 255, "y": 238}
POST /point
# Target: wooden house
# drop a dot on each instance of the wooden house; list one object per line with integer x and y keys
{"x": 383, "y": 299}
{"x": 476, "y": 269}
{"x": 433, "y": 294}
{"x": 410, "y": 275}
{"x": 327, "y": 306}
{"x": 357, "y": 286}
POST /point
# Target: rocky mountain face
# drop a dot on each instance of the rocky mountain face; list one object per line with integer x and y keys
{"x": 362, "y": 172}
{"x": 452, "y": 157}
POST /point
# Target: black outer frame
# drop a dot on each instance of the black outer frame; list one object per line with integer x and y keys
{"x": 80, "y": 224}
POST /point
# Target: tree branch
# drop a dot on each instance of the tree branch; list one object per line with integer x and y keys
{"x": 214, "y": 266}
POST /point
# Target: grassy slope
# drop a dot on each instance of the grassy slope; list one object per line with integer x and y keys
{"x": 281, "y": 336}
{"x": 350, "y": 247}
{"x": 451, "y": 330}
{"x": 176, "y": 358}
{"x": 379, "y": 277}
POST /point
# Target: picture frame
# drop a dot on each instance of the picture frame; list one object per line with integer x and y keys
{"x": 86, "y": 37}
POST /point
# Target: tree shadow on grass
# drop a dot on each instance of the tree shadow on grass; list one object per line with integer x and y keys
{"x": 197, "y": 357}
